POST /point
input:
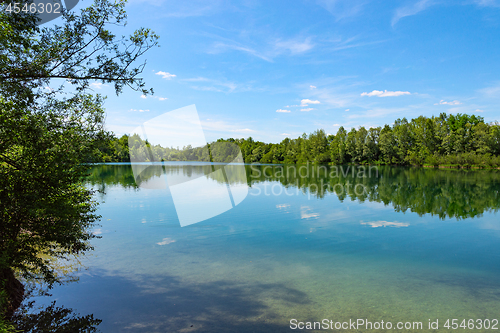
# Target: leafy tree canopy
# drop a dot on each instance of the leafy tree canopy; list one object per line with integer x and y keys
{"x": 51, "y": 125}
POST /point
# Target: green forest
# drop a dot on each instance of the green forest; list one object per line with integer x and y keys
{"x": 446, "y": 140}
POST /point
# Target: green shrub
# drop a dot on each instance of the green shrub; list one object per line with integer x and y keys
{"x": 433, "y": 160}
{"x": 5, "y": 325}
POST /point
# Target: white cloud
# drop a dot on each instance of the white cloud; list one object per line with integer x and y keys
{"x": 335, "y": 92}
{"x": 347, "y": 110}
{"x": 410, "y": 10}
{"x": 443, "y": 102}
{"x": 136, "y": 110}
{"x": 386, "y": 93}
{"x": 307, "y": 109}
{"x": 312, "y": 87}
{"x": 166, "y": 75}
{"x": 376, "y": 224}
{"x": 283, "y": 111}
{"x": 246, "y": 130}
{"x": 479, "y": 110}
{"x": 294, "y": 46}
{"x": 305, "y": 213}
{"x": 97, "y": 85}
{"x": 306, "y": 102}
{"x": 285, "y": 134}
{"x": 283, "y": 206}
{"x": 157, "y": 97}
{"x": 336, "y": 125}
{"x": 166, "y": 241}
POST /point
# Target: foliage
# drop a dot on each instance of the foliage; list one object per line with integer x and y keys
{"x": 5, "y": 325}
{"x": 456, "y": 140}
{"x": 54, "y": 319}
{"x": 50, "y": 126}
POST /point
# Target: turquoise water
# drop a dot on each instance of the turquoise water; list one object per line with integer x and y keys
{"x": 409, "y": 246}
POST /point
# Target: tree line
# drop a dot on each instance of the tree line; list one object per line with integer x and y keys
{"x": 446, "y": 140}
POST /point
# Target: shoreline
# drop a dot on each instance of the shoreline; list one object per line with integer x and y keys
{"x": 473, "y": 167}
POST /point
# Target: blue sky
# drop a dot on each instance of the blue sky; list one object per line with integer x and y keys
{"x": 271, "y": 69}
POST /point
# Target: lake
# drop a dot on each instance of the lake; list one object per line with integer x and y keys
{"x": 321, "y": 244}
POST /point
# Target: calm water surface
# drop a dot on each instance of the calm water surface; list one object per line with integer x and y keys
{"x": 408, "y": 246}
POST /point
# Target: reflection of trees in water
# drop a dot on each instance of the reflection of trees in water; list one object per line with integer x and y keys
{"x": 54, "y": 319}
{"x": 111, "y": 174}
{"x": 30, "y": 317}
{"x": 442, "y": 192}
{"x": 104, "y": 175}
{"x": 446, "y": 193}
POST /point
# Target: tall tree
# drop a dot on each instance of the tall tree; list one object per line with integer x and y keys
{"x": 350, "y": 145}
{"x": 51, "y": 126}
{"x": 319, "y": 146}
{"x": 403, "y": 139}
{"x": 371, "y": 150}
{"x": 388, "y": 146}
{"x": 359, "y": 152}
{"x": 337, "y": 146}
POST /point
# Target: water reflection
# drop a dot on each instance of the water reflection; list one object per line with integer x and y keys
{"x": 376, "y": 224}
{"x": 306, "y": 256}
{"x": 53, "y": 319}
{"x": 441, "y": 192}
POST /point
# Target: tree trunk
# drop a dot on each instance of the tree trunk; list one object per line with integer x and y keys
{"x": 14, "y": 290}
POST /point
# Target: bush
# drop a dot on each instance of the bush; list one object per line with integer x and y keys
{"x": 433, "y": 160}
